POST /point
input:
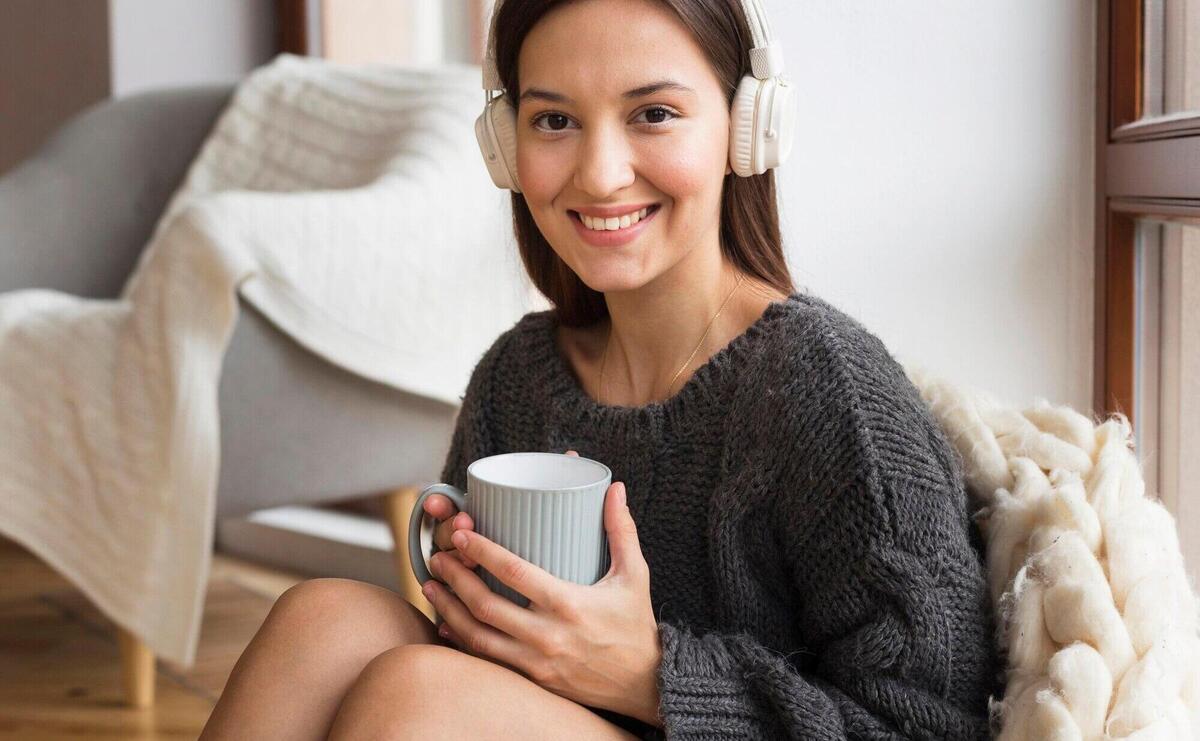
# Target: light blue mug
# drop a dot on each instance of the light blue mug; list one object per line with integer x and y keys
{"x": 547, "y": 508}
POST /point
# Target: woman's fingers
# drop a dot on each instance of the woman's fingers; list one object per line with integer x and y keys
{"x": 439, "y": 506}
{"x": 442, "y": 533}
{"x": 450, "y": 519}
{"x": 461, "y": 521}
{"x": 572, "y": 452}
{"x": 446, "y": 528}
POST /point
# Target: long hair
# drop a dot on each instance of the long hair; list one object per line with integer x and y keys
{"x": 749, "y": 234}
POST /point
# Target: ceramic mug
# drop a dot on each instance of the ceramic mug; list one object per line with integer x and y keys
{"x": 547, "y": 508}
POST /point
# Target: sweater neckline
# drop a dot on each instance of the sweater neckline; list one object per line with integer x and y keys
{"x": 565, "y": 386}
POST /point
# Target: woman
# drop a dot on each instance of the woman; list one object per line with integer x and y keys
{"x": 796, "y": 559}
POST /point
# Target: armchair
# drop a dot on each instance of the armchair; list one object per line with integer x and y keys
{"x": 294, "y": 428}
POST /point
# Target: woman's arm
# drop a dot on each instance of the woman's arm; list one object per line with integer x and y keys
{"x": 890, "y": 648}
{"x": 890, "y": 605}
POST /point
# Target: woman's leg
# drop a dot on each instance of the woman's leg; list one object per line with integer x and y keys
{"x": 433, "y": 691}
{"x": 314, "y": 643}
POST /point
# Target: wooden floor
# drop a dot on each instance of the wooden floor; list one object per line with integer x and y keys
{"x": 60, "y": 675}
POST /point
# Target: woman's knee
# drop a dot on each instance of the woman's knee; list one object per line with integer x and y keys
{"x": 414, "y": 682}
{"x": 415, "y": 671}
{"x": 346, "y": 614}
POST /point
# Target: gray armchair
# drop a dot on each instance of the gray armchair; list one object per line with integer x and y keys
{"x": 294, "y": 428}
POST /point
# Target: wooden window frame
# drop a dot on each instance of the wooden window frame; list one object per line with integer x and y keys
{"x": 299, "y": 25}
{"x": 1143, "y": 169}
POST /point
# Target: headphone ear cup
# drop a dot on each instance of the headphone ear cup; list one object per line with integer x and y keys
{"x": 783, "y": 121}
{"x": 743, "y": 115}
{"x": 761, "y": 123}
{"x": 496, "y": 131}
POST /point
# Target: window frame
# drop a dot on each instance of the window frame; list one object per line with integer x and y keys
{"x": 1144, "y": 169}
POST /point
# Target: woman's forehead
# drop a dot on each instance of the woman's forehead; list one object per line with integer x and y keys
{"x": 611, "y": 47}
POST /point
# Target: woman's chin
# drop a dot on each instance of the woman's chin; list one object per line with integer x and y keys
{"x": 609, "y": 275}
{"x": 615, "y": 286}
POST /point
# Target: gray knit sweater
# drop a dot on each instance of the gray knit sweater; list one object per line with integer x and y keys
{"x": 812, "y": 564}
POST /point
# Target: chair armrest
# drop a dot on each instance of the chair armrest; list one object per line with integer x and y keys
{"x": 75, "y": 216}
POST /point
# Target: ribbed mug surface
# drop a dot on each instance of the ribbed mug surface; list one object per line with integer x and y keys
{"x": 559, "y": 530}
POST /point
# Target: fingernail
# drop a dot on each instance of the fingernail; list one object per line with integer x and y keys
{"x": 427, "y": 590}
{"x": 444, "y": 632}
{"x": 459, "y": 539}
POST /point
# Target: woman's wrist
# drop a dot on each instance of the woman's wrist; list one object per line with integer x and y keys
{"x": 648, "y": 696}
{"x": 649, "y": 713}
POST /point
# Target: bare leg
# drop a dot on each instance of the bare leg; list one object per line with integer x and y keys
{"x": 316, "y": 640}
{"x": 433, "y": 691}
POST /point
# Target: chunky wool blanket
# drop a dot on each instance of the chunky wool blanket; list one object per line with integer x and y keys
{"x": 1096, "y": 614}
{"x": 350, "y": 206}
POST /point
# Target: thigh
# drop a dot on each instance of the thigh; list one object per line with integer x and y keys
{"x": 434, "y": 691}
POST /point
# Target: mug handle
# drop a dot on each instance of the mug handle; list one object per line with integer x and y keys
{"x": 416, "y": 554}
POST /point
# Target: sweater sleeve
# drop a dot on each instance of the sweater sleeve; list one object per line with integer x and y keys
{"x": 891, "y": 613}
{"x": 718, "y": 686}
{"x": 877, "y": 664}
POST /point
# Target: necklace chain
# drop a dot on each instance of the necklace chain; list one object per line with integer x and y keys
{"x": 600, "y": 382}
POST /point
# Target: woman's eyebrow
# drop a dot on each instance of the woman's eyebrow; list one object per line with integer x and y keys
{"x": 535, "y": 93}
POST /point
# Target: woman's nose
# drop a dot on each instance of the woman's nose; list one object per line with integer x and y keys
{"x": 605, "y": 163}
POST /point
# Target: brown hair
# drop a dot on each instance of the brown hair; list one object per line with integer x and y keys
{"x": 749, "y": 234}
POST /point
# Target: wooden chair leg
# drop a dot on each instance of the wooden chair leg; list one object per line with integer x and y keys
{"x": 137, "y": 669}
{"x": 399, "y": 504}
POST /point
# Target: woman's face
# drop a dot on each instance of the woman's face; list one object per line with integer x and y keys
{"x": 600, "y": 135}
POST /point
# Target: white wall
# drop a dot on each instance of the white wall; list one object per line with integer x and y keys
{"x": 163, "y": 43}
{"x": 940, "y": 189}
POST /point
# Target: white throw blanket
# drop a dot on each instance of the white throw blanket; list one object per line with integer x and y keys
{"x": 1096, "y": 613}
{"x": 350, "y": 205}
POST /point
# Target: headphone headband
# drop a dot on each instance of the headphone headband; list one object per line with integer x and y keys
{"x": 766, "y": 58}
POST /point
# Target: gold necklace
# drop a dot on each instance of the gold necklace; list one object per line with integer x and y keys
{"x": 600, "y": 382}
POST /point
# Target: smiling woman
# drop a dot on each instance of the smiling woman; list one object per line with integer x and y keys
{"x": 657, "y": 111}
{"x": 791, "y": 552}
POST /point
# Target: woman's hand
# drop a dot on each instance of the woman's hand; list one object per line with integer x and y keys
{"x": 449, "y": 519}
{"x": 596, "y": 645}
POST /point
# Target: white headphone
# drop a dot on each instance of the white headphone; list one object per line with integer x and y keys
{"x": 761, "y": 118}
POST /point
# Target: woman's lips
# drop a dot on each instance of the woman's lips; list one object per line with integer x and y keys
{"x": 616, "y": 237}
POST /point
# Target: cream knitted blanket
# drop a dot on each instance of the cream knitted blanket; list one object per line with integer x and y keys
{"x": 1097, "y": 617}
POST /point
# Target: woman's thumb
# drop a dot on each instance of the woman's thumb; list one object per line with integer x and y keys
{"x": 623, "y": 542}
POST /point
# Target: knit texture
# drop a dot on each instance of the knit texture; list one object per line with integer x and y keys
{"x": 813, "y": 567}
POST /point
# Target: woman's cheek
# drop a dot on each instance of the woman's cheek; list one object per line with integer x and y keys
{"x": 542, "y": 173}
{"x": 679, "y": 171}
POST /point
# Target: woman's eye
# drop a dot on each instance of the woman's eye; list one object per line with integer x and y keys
{"x": 550, "y": 122}
{"x": 655, "y": 116}
{"x": 553, "y": 121}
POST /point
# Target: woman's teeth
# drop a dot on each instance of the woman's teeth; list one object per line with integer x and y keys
{"x": 613, "y": 223}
